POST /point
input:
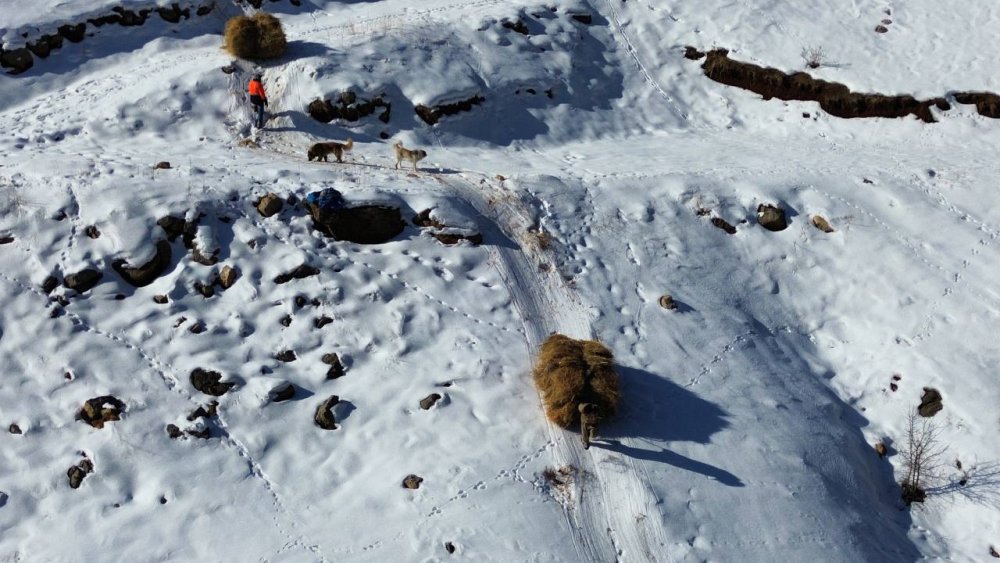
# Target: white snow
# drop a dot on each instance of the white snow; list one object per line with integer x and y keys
{"x": 749, "y": 413}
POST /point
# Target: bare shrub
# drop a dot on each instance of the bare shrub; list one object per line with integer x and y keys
{"x": 570, "y": 372}
{"x": 813, "y": 56}
{"x": 921, "y": 453}
{"x": 258, "y": 37}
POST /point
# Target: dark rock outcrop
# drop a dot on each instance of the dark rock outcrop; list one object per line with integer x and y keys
{"x": 771, "y": 217}
{"x": 141, "y": 276}
{"x": 432, "y": 114}
{"x": 209, "y": 382}
{"x": 363, "y": 224}
{"x": 324, "y": 413}
{"x": 99, "y": 410}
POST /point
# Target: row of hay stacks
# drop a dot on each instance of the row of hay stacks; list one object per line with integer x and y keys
{"x": 570, "y": 372}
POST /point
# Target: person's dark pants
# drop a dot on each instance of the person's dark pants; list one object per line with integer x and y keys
{"x": 260, "y": 115}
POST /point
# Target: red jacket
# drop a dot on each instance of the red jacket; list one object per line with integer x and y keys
{"x": 256, "y": 90}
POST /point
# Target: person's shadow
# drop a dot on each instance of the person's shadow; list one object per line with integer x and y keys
{"x": 659, "y": 410}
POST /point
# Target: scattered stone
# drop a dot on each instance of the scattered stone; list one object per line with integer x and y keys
{"x": 881, "y": 29}
{"x": 286, "y": 320}
{"x": 173, "y": 226}
{"x": 77, "y": 473}
{"x": 147, "y": 273}
{"x": 205, "y": 289}
{"x": 431, "y": 115}
{"x": 100, "y": 410}
{"x": 284, "y": 393}
{"x": 50, "y": 283}
{"x": 209, "y": 411}
{"x": 300, "y": 301}
{"x": 60, "y": 215}
{"x": 322, "y": 321}
{"x": 324, "y": 413}
{"x": 667, "y": 302}
{"x": 92, "y": 232}
{"x": 930, "y": 402}
{"x": 303, "y": 271}
{"x": 269, "y": 205}
{"x": 197, "y": 328}
{"x": 337, "y": 368}
{"x": 228, "y": 276}
{"x": 362, "y": 224}
{"x": 427, "y": 402}
{"x": 412, "y": 481}
{"x": 209, "y": 382}
{"x": 771, "y": 217}
{"x": 994, "y": 553}
{"x": 6, "y": 240}
{"x": 162, "y": 165}
{"x": 17, "y": 60}
{"x": 73, "y": 32}
{"x": 160, "y": 299}
{"x": 583, "y": 18}
{"x": 286, "y": 356}
{"x": 163, "y": 500}
{"x": 821, "y": 223}
{"x": 722, "y": 224}
{"x": 449, "y": 547}
{"x": 516, "y": 25}
{"x": 204, "y": 434}
{"x": 174, "y": 432}
{"x": 881, "y": 449}
{"x": 119, "y": 297}
{"x": 453, "y": 238}
{"x": 14, "y": 429}
{"x": 83, "y": 281}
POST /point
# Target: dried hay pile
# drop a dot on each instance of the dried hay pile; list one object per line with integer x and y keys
{"x": 570, "y": 372}
{"x": 256, "y": 37}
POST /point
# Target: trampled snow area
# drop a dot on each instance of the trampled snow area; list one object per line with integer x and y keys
{"x": 749, "y": 413}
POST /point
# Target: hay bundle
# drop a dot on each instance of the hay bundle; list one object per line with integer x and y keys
{"x": 569, "y": 372}
{"x": 256, "y": 37}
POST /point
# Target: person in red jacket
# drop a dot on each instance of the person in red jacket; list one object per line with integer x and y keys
{"x": 258, "y": 98}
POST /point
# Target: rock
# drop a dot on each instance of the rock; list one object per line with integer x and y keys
{"x": 100, "y": 410}
{"x": 162, "y": 165}
{"x": 6, "y": 239}
{"x": 206, "y": 290}
{"x": 667, "y": 302}
{"x": 73, "y": 33}
{"x": 324, "y": 413}
{"x": 197, "y": 328}
{"x": 14, "y": 429}
{"x": 300, "y": 301}
{"x": 449, "y": 547}
{"x": 285, "y": 393}
{"x": 516, "y": 25}
{"x": 363, "y": 224}
{"x": 337, "y": 368}
{"x": 209, "y": 382}
{"x": 17, "y": 60}
{"x": 722, "y": 224}
{"x": 822, "y": 224}
{"x": 880, "y": 449}
{"x": 50, "y": 283}
{"x": 204, "y": 434}
{"x": 77, "y": 473}
{"x": 269, "y": 205}
{"x": 424, "y": 219}
{"x": 160, "y": 299}
{"x": 228, "y": 276}
{"x": 412, "y": 481}
{"x": 585, "y": 19}
{"x": 92, "y": 232}
{"x": 173, "y": 226}
{"x": 303, "y": 271}
{"x": 286, "y": 356}
{"x": 322, "y": 321}
{"x": 174, "y": 432}
{"x": 141, "y": 276}
{"x": 881, "y": 29}
{"x": 207, "y": 411}
{"x": 930, "y": 402}
{"x": 452, "y": 238}
{"x": 429, "y": 401}
{"x": 286, "y": 320}
{"x": 771, "y": 217}
{"x": 83, "y": 281}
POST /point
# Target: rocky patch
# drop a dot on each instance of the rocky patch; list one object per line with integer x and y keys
{"x": 78, "y": 472}
{"x": 432, "y": 114}
{"x": 209, "y": 382}
{"x": 324, "y": 417}
{"x": 100, "y": 410}
{"x": 724, "y": 225}
{"x": 301, "y": 272}
{"x": 83, "y": 281}
{"x": 349, "y": 107}
{"x": 930, "y": 402}
{"x": 147, "y": 273}
{"x": 336, "y": 369}
{"x": 269, "y": 205}
{"x": 363, "y": 224}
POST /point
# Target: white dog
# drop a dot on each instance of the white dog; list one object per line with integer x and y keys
{"x": 414, "y": 156}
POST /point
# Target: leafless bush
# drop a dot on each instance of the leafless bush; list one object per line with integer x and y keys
{"x": 922, "y": 454}
{"x": 813, "y": 56}
{"x": 978, "y": 483}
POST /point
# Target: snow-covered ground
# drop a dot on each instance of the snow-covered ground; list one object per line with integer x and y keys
{"x": 749, "y": 413}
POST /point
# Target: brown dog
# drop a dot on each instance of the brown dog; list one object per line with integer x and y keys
{"x": 414, "y": 156}
{"x": 322, "y": 150}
